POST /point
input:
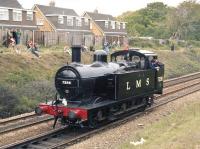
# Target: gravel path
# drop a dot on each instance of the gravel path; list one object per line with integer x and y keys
{"x": 113, "y": 138}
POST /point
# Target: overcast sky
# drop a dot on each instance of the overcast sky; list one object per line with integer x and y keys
{"x": 113, "y": 7}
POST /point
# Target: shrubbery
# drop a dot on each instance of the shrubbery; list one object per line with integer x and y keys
{"x": 38, "y": 90}
{"x": 34, "y": 92}
{"x": 22, "y": 99}
{"x": 8, "y": 101}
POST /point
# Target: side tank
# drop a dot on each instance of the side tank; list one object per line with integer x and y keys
{"x": 79, "y": 82}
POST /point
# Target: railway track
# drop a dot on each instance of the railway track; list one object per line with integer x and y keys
{"x": 167, "y": 83}
{"x": 185, "y": 78}
{"x": 21, "y": 124}
{"x": 16, "y": 118}
{"x": 64, "y": 136}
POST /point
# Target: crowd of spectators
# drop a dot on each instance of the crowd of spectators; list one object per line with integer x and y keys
{"x": 13, "y": 38}
{"x": 107, "y": 46}
{"x": 12, "y": 41}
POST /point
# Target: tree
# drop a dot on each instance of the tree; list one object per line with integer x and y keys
{"x": 149, "y": 21}
{"x": 185, "y": 20}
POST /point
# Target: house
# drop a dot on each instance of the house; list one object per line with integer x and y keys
{"x": 12, "y": 15}
{"x": 106, "y": 26}
{"x": 74, "y": 29}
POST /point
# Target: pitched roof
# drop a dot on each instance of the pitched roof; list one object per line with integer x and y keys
{"x": 99, "y": 16}
{"x": 10, "y": 4}
{"x": 56, "y": 10}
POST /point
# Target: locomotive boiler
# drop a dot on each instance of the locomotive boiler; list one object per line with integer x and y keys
{"x": 90, "y": 94}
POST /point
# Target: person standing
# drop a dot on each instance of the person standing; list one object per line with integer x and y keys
{"x": 18, "y": 33}
{"x": 16, "y": 36}
{"x": 9, "y": 36}
{"x": 118, "y": 43}
{"x": 106, "y": 47}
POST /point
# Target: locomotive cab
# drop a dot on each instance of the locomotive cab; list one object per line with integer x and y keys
{"x": 141, "y": 61}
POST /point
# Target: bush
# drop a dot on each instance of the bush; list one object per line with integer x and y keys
{"x": 32, "y": 93}
{"x": 38, "y": 90}
{"x": 144, "y": 43}
{"x": 25, "y": 105}
{"x": 8, "y": 101}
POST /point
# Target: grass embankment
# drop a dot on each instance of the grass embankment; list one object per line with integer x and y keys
{"x": 179, "y": 62}
{"x": 179, "y": 130}
{"x": 26, "y": 80}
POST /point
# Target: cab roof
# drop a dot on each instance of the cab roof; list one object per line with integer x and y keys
{"x": 138, "y": 52}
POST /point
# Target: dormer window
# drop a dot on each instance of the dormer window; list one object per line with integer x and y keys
{"x": 4, "y": 14}
{"x": 29, "y": 15}
{"x": 106, "y": 24}
{"x": 17, "y": 15}
{"x": 60, "y": 20}
{"x": 78, "y": 22}
{"x": 113, "y": 24}
{"x": 69, "y": 21}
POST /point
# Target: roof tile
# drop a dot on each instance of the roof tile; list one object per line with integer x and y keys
{"x": 99, "y": 16}
{"x": 10, "y": 4}
{"x": 56, "y": 10}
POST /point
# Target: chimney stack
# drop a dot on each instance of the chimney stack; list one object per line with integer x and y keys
{"x": 52, "y": 3}
{"x": 76, "y": 54}
{"x": 96, "y": 11}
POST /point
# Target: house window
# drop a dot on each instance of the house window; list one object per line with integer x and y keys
{"x": 118, "y": 25}
{"x": 40, "y": 21}
{"x": 69, "y": 21}
{"x": 113, "y": 24}
{"x": 78, "y": 22}
{"x": 86, "y": 22}
{"x": 124, "y": 25}
{"x": 4, "y": 14}
{"x": 29, "y": 15}
{"x": 106, "y": 24}
{"x": 60, "y": 19}
{"x": 17, "y": 15}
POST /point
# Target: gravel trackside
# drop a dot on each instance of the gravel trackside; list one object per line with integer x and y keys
{"x": 113, "y": 138}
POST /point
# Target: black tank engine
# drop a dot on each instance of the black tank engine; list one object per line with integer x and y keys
{"x": 90, "y": 94}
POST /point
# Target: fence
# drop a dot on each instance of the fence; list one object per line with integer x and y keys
{"x": 25, "y": 36}
{"x": 56, "y": 38}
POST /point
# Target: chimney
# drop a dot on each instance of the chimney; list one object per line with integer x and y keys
{"x": 76, "y": 54}
{"x": 96, "y": 11}
{"x": 52, "y": 3}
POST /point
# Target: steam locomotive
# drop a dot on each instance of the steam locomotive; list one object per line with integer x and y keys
{"x": 90, "y": 94}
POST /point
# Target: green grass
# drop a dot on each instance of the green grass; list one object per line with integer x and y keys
{"x": 179, "y": 62}
{"x": 31, "y": 79}
{"x": 179, "y": 130}
{"x": 154, "y": 44}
